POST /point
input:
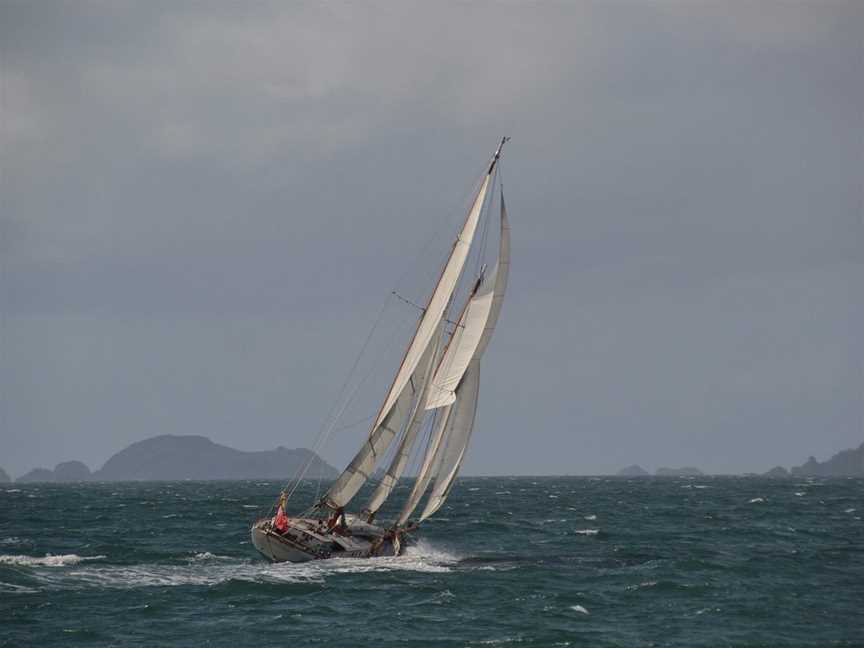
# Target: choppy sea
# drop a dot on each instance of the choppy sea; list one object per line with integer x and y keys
{"x": 720, "y": 561}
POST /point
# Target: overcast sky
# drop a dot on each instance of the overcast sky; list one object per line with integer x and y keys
{"x": 204, "y": 205}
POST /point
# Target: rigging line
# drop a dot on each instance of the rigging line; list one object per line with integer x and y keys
{"x": 316, "y": 445}
{"x": 484, "y": 235}
{"x": 420, "y": 308}
{"x": 439, "y": 231}
{"x": 346, "y": 404}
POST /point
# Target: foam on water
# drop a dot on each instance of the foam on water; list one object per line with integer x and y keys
{"x": 587, "y": 531}
{"x": 47, "y": 560}
{"x": 421, "y": 557}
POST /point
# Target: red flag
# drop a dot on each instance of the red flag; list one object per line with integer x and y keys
{"x": 281, "y": 522}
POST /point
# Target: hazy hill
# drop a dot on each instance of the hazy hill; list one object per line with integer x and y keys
{"x": 171, "y": 457}
{"x": 71, "y": 471}
{"x": 846, "y": 463}
{"x": 37, "y": 475}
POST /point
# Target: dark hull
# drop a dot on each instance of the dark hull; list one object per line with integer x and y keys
{"x": 305, "y": 540}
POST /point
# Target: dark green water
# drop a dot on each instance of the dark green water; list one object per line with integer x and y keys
{"x": 528, "y": 561}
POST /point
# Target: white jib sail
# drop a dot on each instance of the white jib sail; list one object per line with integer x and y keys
{"x": 425, "y": 474}
{"x": 415, "y": 421}
{"x": 382, "y": 433}
{"x": 457, "y": 439}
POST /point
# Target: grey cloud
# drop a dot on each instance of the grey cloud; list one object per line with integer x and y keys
{"x": 203, "y": 206}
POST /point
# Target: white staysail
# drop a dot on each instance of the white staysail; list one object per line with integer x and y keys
{"x": 425, "y": 474}
{"x": 382, "y": 433}
{"x": 415, "y": 421}
{"x": 475, "y": 327}
{"x": 459, "y": 434}
{"x": 501, "y": 274}
{"x": 448, "y": 457}
{"x": 462, "y": 347}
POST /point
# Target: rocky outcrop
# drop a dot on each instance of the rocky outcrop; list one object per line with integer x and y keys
{"x": 37, "y": 475}
{"x": 71, "y": 471}
{"x": 846, "y": 463}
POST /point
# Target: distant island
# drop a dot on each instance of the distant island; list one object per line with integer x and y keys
{"x": 169, "y": 457}
{"x": 846, "y": 463}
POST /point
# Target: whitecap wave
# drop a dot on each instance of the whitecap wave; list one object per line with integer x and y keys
{"x": 206, "y": 555}
{"x": 14, "y": 540}
{"x": 421, "y": 557}
{"x": 579, "y": 609}
{"x": 587, "y": 532}
{"x": 48, "y": 560}
{"x": 756, "y": 500}
{"x": 590, "y": 517}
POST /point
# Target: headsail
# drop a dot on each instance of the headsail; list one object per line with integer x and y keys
{"x": 382, "y": 433}
{"x": 426, "y": 472}
{"x": 446, "y": 450}
{"x": 400, "y": 459}
{"x": 459, "y": 434}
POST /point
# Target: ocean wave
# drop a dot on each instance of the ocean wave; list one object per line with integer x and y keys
{"x": 421, "y": 557}
{"x": 48, "y": 560}
{"x": 756, "y": 500}
{"x": 15, "y": 540}
{"x": 206, "y": 555}
{"x": 587, "y": 532}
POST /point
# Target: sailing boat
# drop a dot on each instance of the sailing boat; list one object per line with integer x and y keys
{"x": 438, "y": 380}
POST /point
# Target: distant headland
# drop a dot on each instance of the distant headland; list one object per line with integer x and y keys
{"x": 169, "y": 457}
{"x": 846, "y": 463}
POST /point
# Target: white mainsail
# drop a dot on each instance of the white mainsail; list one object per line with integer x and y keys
{"x": 384, "y": 429}
{"x": 415, "y": 421}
